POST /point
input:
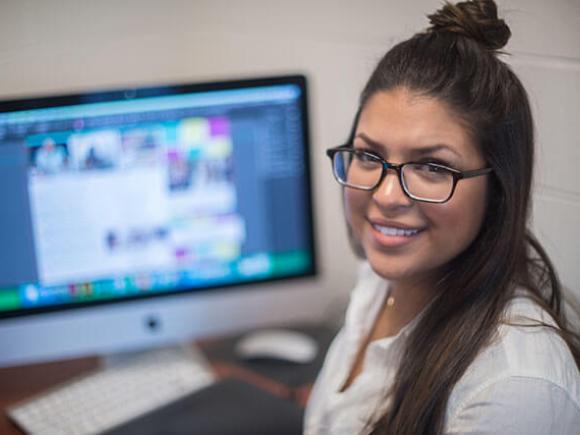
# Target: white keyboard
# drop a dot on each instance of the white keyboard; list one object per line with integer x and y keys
{"x": 109, "y": 397}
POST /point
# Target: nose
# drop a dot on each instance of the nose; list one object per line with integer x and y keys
{"x": 390, "y": 193}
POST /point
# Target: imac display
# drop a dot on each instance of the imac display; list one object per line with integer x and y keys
{"x": 142, "y": 216}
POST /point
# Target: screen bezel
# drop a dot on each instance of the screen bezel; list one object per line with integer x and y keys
{"x": 124, "y": 94}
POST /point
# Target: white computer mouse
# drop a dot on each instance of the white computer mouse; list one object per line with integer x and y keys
{"x": 282, "y": 344}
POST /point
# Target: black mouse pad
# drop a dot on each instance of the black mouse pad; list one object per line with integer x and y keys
{"x": 227, "y": 407}
{"x": 290, "y": 374}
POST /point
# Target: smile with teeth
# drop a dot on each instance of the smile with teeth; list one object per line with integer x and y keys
{"x": 391, "y": 231}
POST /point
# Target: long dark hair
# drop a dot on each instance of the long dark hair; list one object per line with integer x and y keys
{"x": 456, "y": 62}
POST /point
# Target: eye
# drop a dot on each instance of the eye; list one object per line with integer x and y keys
{"x": 434, "y": 168}
{"x": 363, "y": 155}
{"x": 438, "y": 162}
{"x": 428, "y": 171}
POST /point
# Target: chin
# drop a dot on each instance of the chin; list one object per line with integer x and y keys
{"x": 390, "y": 268}
{"x": 401, "y": 266}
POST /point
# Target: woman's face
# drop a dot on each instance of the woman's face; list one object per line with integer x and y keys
{"x": 402, "y": 127}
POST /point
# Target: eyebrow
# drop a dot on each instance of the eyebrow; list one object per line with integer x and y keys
{"x": 420, "y": 150}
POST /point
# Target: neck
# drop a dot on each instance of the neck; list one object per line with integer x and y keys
{"x": 409, "y": 298}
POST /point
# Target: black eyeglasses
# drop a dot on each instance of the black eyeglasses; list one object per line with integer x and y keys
{"x": 427, "y": 182}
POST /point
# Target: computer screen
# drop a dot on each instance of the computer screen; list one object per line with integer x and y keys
{"x": 114, "y": 198}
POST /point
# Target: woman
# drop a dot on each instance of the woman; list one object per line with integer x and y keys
{"x": 456, "y": 326}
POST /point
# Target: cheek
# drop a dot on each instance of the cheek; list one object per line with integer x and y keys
{"x": 355, "y": 206}
{"x": 457, "y": 222}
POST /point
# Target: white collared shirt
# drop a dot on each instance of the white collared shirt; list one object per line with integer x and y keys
{"x": 525, "y": 382}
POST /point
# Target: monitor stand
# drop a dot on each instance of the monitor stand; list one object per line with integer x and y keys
{"x": 177, "y": 352}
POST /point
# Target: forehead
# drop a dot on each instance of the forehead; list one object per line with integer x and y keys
{"x": 401, "y": 119}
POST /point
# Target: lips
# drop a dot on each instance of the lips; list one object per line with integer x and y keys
{"x": 394, "y": 234}
{"x": 394, "y": 231}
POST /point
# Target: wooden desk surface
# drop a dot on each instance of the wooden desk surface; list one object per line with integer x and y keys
{"x": 23, "y": 382}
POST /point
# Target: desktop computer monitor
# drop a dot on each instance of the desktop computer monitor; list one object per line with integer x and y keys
{"x": 138, "y": 217}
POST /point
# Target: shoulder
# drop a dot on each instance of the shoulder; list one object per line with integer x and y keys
{"x": 517, "y": 406}
{"x": 524, "y": 372}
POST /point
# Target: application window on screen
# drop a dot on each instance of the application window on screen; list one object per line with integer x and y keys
{"x": 113, "y": 201}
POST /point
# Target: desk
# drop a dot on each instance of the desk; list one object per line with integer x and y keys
{"x": 282, "y": 380}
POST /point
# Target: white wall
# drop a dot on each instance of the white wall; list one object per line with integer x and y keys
{"x": 547, "y": 58}
{"x": 49, "y": 46}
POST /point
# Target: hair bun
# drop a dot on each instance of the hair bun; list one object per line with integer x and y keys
{"x": 475, "y": 19}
